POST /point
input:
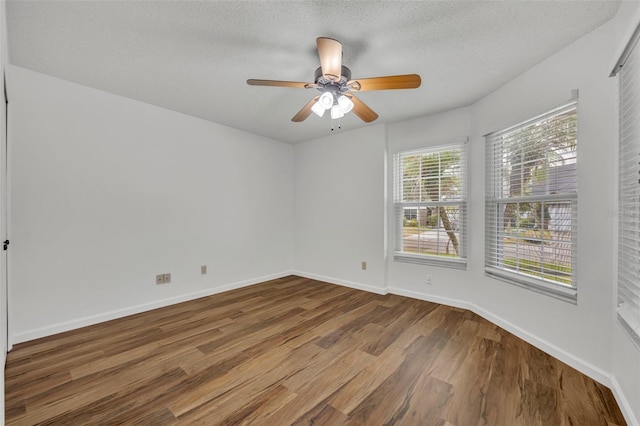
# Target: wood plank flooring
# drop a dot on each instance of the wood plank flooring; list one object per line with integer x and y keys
{"x": 298, "y": 351}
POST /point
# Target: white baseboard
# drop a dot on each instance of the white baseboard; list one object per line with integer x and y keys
{"x": 119, "y": 313}
{"x": 579, "y": 364}
{"x": 350, "y": 284}
{"x": 569, "y": 359}
{"x": 623, "y": 403}
{"x": 575, "y": 362}
{"x": 430, "y": 298}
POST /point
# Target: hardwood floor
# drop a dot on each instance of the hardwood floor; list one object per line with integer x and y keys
{"x": 298, "y": 351}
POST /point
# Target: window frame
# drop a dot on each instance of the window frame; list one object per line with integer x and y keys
{"x": 628, "y": 213}
{"x": 494, "y": 266}
{"x": 459, "y": 262}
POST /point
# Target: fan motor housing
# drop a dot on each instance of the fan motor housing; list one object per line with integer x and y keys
{"x": 323, "y": 82}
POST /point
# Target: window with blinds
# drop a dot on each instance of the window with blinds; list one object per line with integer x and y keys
{"x": 628, "y": 69}
{"x": 430, "y": 206}
{"x": 531, "y": 203}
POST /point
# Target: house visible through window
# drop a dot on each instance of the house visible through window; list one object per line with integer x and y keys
{"x": 430, "y": 206}
{"x": 531, "y": 203}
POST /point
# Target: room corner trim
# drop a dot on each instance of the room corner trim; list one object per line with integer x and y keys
{"x": 345, "y": 283}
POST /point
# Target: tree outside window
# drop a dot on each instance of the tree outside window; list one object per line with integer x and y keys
{"x": 531, "y": 205}
{"x": 430, "y": 204}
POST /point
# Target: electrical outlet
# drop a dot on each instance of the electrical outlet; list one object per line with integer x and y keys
{"x": 429, "y": 279}
{"x": 203, "y": 270}
{"x": 364, "y": 265}
{"x": 163, "y": 278}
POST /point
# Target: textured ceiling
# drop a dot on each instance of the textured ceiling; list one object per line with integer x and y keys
{"x": 195, "y": 57}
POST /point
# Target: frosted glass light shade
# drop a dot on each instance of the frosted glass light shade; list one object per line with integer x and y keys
{"x": 345, "y": 104}
{"x": 318, "y": 109}
{"x": 326, "y": 100}
{"x": 336, "y": 112}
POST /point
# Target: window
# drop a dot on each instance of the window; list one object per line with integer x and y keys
{"x": 628, "y": 68}
{"x": 430, "y": 206}
{"x": 531, "y": 203}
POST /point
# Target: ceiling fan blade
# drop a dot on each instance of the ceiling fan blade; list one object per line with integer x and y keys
{"x": 278, "y": 83}
{"x": 360, "y": 109}
{"x": 391, "y": 82}
{"x": 330, "y": 52}
{"x": 305, "y": 111}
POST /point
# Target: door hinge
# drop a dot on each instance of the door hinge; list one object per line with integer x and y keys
{"x": 6, "y": 244}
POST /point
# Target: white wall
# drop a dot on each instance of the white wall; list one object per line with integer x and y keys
{"x": 3, "y": 219}
{"x": 339, "y": 208}
{"x": 626, "y": 356}
{"x": 579, "y": 334}
{"x": 448, "y": 285}
{"x": 107, "y": 192}
{"x": 584, "y": 335}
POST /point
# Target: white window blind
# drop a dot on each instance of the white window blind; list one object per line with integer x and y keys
{"x": 629, "y": 192}
{"x": 531, "y": 203}
{"x": 430, "y": 204}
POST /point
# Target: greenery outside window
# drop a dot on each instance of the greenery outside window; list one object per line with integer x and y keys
{"x": 430, "y": 206}
{"x": 531, "y": 203}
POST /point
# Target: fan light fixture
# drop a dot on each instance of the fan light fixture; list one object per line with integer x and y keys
{"x": 337, "y": 89}
{"x": 336, "y": 112}
{"x": 339, "y": 106}
{"x": 318, "y": 109}
{"x": 326, "y": 100}
{"x": 346, "y": 104}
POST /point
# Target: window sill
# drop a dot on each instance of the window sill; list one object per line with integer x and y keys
{"x": 631, "y": 325}
{"x": 567, "y": 294}
{"x": 455, "y": 263}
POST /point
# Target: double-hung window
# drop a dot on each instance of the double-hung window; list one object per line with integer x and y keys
{"x": 430, "y": 206}
{"x": 531, "y": 203}
{"x": 628, "y": 69}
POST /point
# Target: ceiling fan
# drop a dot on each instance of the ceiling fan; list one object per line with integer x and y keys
{"x": 334, "y": 82}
